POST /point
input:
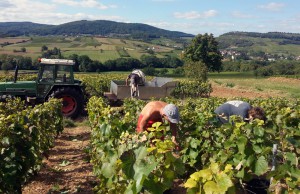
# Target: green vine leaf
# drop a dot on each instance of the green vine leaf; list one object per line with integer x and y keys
{"x": 190, "y": 183}
{"x": 261, "y": 166}
{"x": 241, "y": 143}
{"x": 211, "y": 187}
{"x": 128, "y": 160}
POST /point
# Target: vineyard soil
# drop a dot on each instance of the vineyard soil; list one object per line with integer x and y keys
{"x": 67, "y": 169}
{"x": 227, "y": 92}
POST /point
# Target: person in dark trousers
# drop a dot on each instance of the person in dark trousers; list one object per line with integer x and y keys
{"x": 239, "y": 108}
{"x": 134, "y": 81}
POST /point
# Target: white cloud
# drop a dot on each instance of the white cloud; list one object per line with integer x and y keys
{"x": 195, "y": 14}
{"x": 44, "y": 13}
{"x": 20, "y": 6}
{"x": 60, "y": 18}
{"x": 216, "y": 28}
{"x": 5, "y": 3}
{"x": 84, "y": 3}
{"x": 284, "y": 25}
{"x": 24, "y": 10}
{"x": 238, "y": 14}
{"x": 272, "y": 6}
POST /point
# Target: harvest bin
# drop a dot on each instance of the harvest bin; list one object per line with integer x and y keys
{"x": 158, "y": 87}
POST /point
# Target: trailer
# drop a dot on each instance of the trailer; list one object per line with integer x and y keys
{"x": 158, "y": 87}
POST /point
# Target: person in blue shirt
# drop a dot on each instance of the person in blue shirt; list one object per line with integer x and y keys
{"x": 239, "y": 108}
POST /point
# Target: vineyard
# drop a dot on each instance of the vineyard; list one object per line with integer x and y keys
{"x": 26, "y": 135}
{"x": 213, "y": 158}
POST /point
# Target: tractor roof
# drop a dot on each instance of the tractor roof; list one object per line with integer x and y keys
{"x": 56, "y": 61}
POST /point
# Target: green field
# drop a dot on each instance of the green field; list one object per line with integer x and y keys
{"x": 97, "y": 48}
{"x": 266, "y": 45}
{"x": 287, "y": 87}
{"x": 230, "y": 75}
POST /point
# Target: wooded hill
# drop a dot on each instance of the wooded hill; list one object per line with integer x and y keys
{"x": 98, "y": 27}
{"x": 280, "y": 43}
{"x": 282, "y": 37}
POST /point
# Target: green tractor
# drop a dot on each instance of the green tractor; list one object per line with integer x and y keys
{"x": 55, "y": 80}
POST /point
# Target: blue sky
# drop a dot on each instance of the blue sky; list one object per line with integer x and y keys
{"x": 190, "y": 16}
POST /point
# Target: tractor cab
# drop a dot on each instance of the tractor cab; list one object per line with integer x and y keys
{"x": 56, "y": 71}
{"x": 55, "y": 80}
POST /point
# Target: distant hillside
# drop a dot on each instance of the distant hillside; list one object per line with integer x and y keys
{"x": 271, "y": 42}
{"x": 19, "y": 28}
{"x": 242, "y": 38}
{"x": 99, "y": 27}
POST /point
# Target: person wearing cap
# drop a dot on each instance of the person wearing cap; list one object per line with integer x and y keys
{"x": 239, "y": 108}
{"x": 155, "y": 111}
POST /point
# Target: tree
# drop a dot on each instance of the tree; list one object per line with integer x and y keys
{"x": 44, "y": 48}
{"x": 85, "y": 63}
{"x": 150, "y": 71}
{"x": 204, "y": 48}
{"x": 24, "y": 62}
{"x": 196, "y": 70}
{"x": 23, "y": 49}
{"x": 171, "y": 61}
{"x": 75, "y": 57}
{"x": 110, "y": 65}
{"x": 179, "y": 71}
{"x": 9, "y": 64}
{"x": 151, "y": 61}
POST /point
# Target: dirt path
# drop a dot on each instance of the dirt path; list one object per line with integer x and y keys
{"x": 67, "y": 169}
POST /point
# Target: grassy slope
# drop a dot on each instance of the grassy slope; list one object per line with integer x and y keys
{"x": 286, "y": 87}
{"x": 267, "y": 45}
{"x": 101, "y": 49}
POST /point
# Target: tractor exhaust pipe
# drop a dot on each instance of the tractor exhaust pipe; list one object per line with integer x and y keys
{"x": 16, "y": 73}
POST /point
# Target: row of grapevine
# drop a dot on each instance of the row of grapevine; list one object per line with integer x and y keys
{"x": 26, "y": 133}
{"x": 23, "y": 77}
{"x": 214, "y": 158}
{"x": 192, "y": 89}
{"x": 97, "y": 84}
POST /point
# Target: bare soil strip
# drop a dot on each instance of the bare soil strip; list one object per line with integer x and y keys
{"x": 226, "y": 92}
{"x": 67, "y": 170}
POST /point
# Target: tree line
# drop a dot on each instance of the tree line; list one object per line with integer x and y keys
{"x": 84, "y": 63}
{"x": 264, "y": 68}
{"x": 271, "y": 35}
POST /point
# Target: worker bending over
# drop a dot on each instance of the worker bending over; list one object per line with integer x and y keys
{"x": 239, "y": 108}
{"x": 156, "y": 111}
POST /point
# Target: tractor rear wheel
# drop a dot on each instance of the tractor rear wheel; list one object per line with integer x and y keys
{"x": 72, "y": 101}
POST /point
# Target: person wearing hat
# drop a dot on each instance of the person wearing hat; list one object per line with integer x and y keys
{"x": 155, "y": 111}
{"x": 239, "y": 108}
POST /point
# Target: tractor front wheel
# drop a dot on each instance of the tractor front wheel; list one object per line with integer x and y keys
{"x": 72, "y": 101}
